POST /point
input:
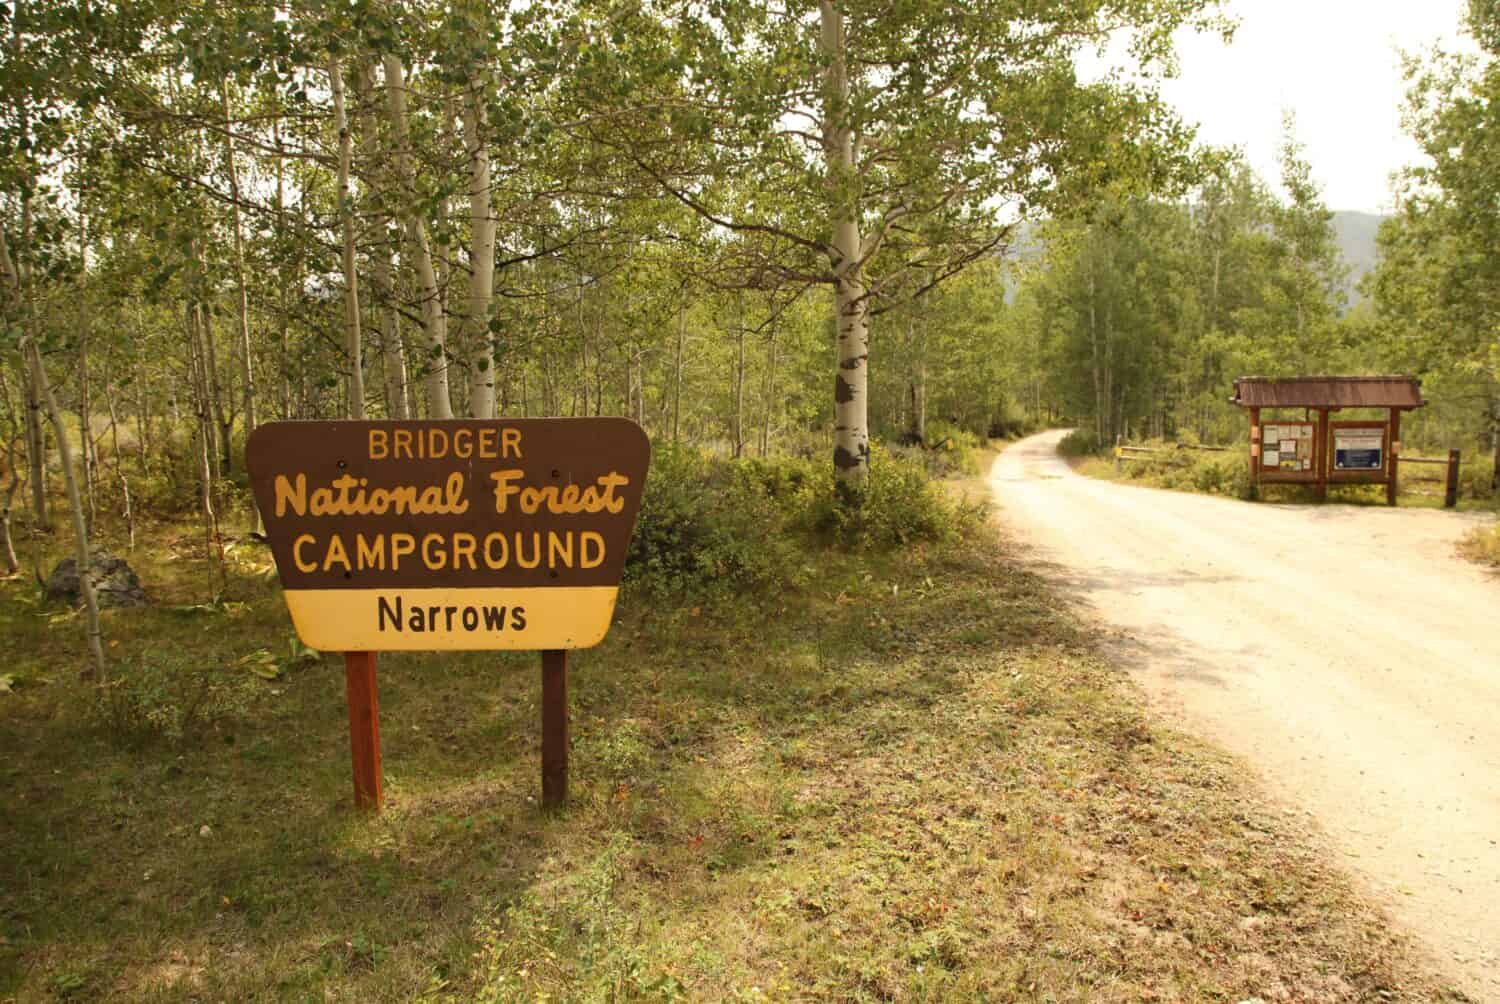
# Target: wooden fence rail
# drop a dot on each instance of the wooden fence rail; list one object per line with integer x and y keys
{"x": 1449, "y": 480}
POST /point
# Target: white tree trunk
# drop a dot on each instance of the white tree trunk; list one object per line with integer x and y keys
{"x": 354, "y": 343}
{"x": 80, "y": 532}
{"x": 481, "y": 254}
{"x": 247, "y": 368}
{"x": 434, "y": 324}
{"x": 392, "y": 347}
{"x": 851, "y": 446}
{"x": 677, "y": 372}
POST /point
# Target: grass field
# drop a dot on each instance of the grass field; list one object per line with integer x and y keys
{"x": 910, "y": 778}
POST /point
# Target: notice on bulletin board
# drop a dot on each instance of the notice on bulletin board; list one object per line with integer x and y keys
{"x": 1288, "y": 447}
{"x": 1358, "y": 449}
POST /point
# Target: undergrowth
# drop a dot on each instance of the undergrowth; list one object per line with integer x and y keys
{"x": 710, "y": 524}
{"x": 866, "y": 772}
{"x": 1483, "y": 546}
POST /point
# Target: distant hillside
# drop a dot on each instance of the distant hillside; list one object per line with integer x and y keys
{"x": 1354, "y": 230}
{"x": 1356, "y": 236}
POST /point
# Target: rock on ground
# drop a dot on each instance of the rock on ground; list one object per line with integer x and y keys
{"x": 115, "y": 582}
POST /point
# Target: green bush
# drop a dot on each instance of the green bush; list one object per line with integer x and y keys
{"x": 1475, "y": 476}
{"x": 711, "y": 524}
{"x": 1080, "y": 443}
{"x": 950, "y": 450}
{"x": 1011, "y": 422}
{"x": 161, "y": 698}
{"x": 1182, "y": 469}
{"x": 901, "y": 505}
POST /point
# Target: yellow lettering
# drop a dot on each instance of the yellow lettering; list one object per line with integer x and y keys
{"x": 559, "y": 546}
{"x": 336, "y": 554}
{"x": 303, "y": 566}
{"x": 434, "y": 559}
{"x": 490, "y": 540}
{"x": 435, "y": 451}
{"x": 510, "y": 439}
{"x": 402, "y": 544}
{"x": 536, "y": 550}
{"x": 286, "y": 495}
{"x": 456, "y": 503}
{"x": 487, "y": 443}
{"x": 585, "y": 560}
{"x": 369, "y": 554}
{"x": 401, "y": 442}
{"x": 379, "y": 444}
{"x": 610, "y": 482}
{"x": 463, "y": 443}
{"x": 503, "y": 487}
{"x": 463, "y": 547}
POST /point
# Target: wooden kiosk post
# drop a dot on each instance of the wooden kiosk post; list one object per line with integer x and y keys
{"x": 1298, "y": 451}
{"x": 1256, "y": 444}
{"x": 478, "y": 534}
{"x": 1394, "y": 454}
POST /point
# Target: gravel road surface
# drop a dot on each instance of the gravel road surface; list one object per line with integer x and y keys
{"x": 1345, "y": 652}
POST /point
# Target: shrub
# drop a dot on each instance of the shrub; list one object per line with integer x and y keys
{"x": 1475, "y": 475}
{"x": 1011, "y": 422}
{"x": 949, "y": 450}
{"x": 162, "y": 698}
{"x": 1079, "y": 443}
{"x": 1483, "y": 545}
{"x": 900, "y": 506}
{"x": 1191, "y": 470}
{"x": 713, "y": 524}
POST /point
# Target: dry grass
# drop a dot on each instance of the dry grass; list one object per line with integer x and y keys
{"x": 1483, "y": 546}
{"x": 912, "y": 780}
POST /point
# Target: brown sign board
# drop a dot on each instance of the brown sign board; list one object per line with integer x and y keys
{"x": 465, "y": 534}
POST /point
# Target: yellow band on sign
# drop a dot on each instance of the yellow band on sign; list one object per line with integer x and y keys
{"x": 425, "y": 619}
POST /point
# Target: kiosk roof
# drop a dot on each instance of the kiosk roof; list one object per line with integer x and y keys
{"x": 1328, "y": 392}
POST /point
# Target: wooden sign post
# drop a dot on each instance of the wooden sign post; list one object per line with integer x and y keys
{"x": 469, "y": 534}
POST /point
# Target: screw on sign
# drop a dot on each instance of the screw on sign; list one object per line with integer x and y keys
{"x": 469, "y": 534}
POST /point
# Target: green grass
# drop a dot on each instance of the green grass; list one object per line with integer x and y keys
{"x": 912, "y": 778}
{"x": 1227, "y": 474}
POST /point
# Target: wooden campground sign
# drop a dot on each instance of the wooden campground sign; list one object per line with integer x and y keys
{"x": 468, "y": 534}
{"x": 450, "y": 534}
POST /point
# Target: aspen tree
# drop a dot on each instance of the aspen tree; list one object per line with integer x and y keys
{"x": 481, "y": 251}
{"x": 242, "y": 297}
{"x": 434, "y": 323}
{"x": 98, "y": 672}
{"x": 353, "y": 343}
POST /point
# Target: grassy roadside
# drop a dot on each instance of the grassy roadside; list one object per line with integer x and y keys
{"x": 910, "y": 777}
{"x": 1482, "y": 546}
{"x": 1226, "y": 474}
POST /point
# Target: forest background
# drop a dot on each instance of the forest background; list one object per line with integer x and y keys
{"x": 756, "y": 229}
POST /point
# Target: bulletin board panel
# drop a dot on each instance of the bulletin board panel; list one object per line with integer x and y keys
{"x": 1289, "y": 452}
{"x": 1359, "y": 453}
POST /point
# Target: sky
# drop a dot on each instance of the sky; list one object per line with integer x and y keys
{"x": 1336, "y": 64}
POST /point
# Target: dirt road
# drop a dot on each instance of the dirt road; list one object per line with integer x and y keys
{"x": 1344, "y": 652}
